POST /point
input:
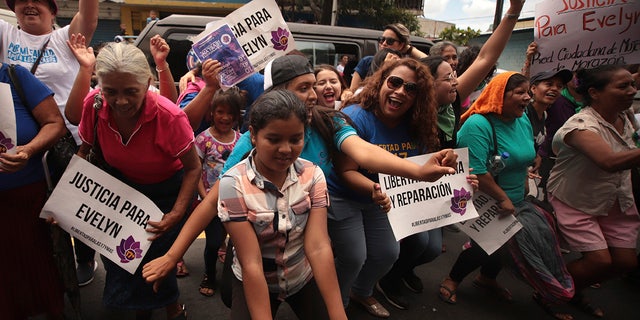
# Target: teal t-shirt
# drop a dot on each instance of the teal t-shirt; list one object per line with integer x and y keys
{"x": 314, "y": 150}
{"x": 515, "y": 137}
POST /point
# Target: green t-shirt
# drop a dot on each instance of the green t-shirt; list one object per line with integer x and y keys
{"x": 515, "y": 137}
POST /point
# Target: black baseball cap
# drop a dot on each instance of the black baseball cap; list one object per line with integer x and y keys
{"x": 564, "y": 74}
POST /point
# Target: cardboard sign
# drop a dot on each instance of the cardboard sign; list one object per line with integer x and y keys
{"x": 586, "y": 34}
{"x": 418, "y": 206}
{"x": 8, "y": 134}
{"x": 260, "y": 30}
{"x": 488, "y": 229}
{"x": 103, "y": 212}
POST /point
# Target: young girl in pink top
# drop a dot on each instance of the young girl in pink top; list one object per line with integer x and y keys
{"x": 214, "y": 146}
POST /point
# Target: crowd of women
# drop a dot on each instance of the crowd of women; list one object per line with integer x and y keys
{"x": 297, "y": 193}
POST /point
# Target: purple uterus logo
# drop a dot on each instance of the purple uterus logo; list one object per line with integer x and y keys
{"x": 129, "y": 250}
{"x": 460, "y": 200}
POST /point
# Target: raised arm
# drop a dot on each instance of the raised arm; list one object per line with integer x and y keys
{"x": 490, "y": 51}
{"x": 160, "y": 51}
{"x": 199, "y": 106}
{"x": 82, "y": 83}
{"x": 85, "y": 20}
{"x": 532, "y": 49}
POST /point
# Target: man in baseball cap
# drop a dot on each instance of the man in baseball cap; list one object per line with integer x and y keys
{"x": 283, "y": 69}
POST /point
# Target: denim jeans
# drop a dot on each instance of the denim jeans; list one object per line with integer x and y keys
{"x": 415, "y": 250}
{"x": 363, "y": 245}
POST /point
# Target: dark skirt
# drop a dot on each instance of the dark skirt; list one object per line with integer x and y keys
{"x": 29, "y": 280}
{"x": 123, "y": 290}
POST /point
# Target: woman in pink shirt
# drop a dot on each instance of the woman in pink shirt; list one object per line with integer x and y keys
{"x": 147, "y": 143}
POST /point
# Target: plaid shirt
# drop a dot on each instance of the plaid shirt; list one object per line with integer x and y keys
{"x": 279, "y": 218}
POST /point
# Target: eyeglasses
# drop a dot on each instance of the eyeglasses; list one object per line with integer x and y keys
{"x": 450, "y": 77}
{"x": 394, "y": 83}
{"x": 388, "y": 40}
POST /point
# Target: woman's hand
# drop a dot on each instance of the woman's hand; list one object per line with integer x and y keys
{"x": 472, "y": 179}
{"x": 380, "y": 198}
{"x": 84, "y": 55}
{"x": 506, "y": 208}
{"x": 159, "y": 228}
{"x": 160, "y": 51}
{"x": 210, "y": 73}
{"x": 10, "y": 163}
{"x": 441, "y": 163}
{"x": 157, "y": 269}
{"x": 346, "y": 95}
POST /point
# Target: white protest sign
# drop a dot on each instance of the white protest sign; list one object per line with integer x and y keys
{"x": 8, "y": 134}
{"x": 260, "y": 29}
{"x": 488, "y": 230}
{"x": 103, "y": 212}
{"x": 585, "y": 34}
{"x": 418, "y": 206}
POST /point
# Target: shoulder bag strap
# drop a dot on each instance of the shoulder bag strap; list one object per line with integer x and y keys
{"x": 17, "y": 85}
{"x": 35, "y": 64}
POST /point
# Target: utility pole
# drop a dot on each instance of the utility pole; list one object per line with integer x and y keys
{"x": 497, "y": 17}
{"x": 334, "y": 12}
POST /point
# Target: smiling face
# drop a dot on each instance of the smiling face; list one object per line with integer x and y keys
{"x": 123, "y": 93}
{"x": 395, "y": 100}
{"x": 547, "y": 91}
{"x": 278, "y": 145}
{"x": 450, "y": 55}
{"x": 515, "y": 102}
{"x": 446, "y": 84}
{"x": 34, "y": 16}
{"x": 389, "y": 34}
{"x": 327, "y": 88}
{"x": 223, "y": 118}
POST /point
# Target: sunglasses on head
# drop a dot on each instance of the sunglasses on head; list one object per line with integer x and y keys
{"x": 394, "y": 83}
{"x": 389, "y": 41}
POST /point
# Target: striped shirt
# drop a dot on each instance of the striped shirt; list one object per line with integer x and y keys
{"x": 278, "y": 216}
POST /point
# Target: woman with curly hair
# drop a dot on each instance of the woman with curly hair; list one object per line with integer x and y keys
{"x": 396, "y": 110}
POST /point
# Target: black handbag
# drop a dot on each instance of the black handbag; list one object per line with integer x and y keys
{"x": 95, "y": 156}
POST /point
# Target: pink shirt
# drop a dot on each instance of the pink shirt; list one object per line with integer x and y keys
{"x": 152, "y": 154}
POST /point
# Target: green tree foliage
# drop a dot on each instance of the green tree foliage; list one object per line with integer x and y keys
{"x": 459, "y": 36}
{"x": 373, "y": 14}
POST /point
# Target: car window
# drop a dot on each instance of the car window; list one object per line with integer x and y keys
{"x": 327, "y": 52}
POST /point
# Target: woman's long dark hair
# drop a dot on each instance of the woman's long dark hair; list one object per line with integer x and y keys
{"x": 423, "y": 119}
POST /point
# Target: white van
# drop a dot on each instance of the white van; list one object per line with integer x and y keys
{"x": 8, "y": 16}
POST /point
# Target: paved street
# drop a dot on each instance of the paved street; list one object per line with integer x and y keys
{"x": 618, "y": 297}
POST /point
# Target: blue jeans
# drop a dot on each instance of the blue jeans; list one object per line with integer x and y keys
{"x": 415, "y": 250}
{"x": 363, "y": 245}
